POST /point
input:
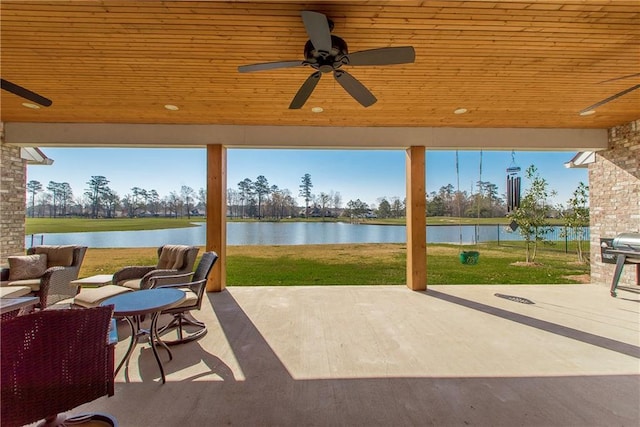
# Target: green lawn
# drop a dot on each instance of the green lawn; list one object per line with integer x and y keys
{"x": 504, "y": 264}
{"x": 363, "y": 264}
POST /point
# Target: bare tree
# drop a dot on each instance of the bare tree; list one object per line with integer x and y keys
{"x": 336, "y": 199}
{"x": 324, "y": 199}
{"x": 233, "y": 198}
{"x": 202, "y": 197}
{"x": 154, "y": 202}
{"x": 187, "y": 194}
{"x": 397, "y": 207}
{"x": 45, "y": 199}
{"x": 173, "y": 203}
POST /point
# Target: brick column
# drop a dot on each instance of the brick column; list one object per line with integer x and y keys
{"x": 13, "y": 172}
{"x": 614, "y": 192}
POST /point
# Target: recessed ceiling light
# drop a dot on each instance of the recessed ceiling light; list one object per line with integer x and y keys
{"x": 30, "y": 105}
{"x": 317, "y": 109}
{"x": 460, "y": 111}
{"x": 171, "y": 107}
{"x": 587, "y": 113}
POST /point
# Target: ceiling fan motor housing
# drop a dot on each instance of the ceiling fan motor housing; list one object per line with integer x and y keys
{"x": 327, "y": 61}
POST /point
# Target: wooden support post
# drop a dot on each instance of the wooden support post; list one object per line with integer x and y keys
{"x": 217, "y": 214}
{"x": 416, "y": 220}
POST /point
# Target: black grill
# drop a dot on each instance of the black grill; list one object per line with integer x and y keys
{"x": 621, "y": 250}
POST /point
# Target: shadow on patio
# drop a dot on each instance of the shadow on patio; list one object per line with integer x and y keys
{"x": 454, "y": 355}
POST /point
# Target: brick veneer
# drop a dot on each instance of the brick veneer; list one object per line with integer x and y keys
{"x": 614, "y": 187}
{"x": 13, "y": 171}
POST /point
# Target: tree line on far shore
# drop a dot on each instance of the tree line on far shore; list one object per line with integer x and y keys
{"x": 250, "y": 199}
{"x": 261, "y": 200}
{"x": 253, "y": 199}
{"x": 100, "y": 201}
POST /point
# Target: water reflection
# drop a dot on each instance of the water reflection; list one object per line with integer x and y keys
{"x": 282, "y": 233}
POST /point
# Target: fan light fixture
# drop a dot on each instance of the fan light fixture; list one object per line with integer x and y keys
{"x": 30, "y": 105}
{"x": 171, "y": 107}
{"x": 460, "y": 111}
{"x": 587, "y": 113}
{"x": 317, "y": 109}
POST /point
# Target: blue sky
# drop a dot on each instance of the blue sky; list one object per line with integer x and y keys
{"x": 364, "y": 174}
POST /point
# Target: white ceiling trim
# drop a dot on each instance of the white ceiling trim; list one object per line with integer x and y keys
{"x": 581, "y": 160}
{"x": 34, "y": 156}
{"x": 168, "y": 135}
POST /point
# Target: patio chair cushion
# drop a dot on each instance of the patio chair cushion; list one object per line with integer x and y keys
{"x": 172, "y": 257}
{"x": 133, "y": 284}
{"x": 14, "y": 291}
{"x": 34, "y": 284}
{"x": 27, "y": 266}
{"x": 65, "y": 304}
{"x": 57, "y": 255}
{"x": 191, "y": 298}
{"x": 92, "y": 297}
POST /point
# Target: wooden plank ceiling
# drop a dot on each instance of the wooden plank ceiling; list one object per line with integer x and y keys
{"x": 511, "y": 64}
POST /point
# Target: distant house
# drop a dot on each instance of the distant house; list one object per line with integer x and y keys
{"x": 370, "y": 214}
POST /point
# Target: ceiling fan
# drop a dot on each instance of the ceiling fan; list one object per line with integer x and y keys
{"x": 326, "y": 53}
{"x": 25, "y": 93}
{"x": 611, "y": 98}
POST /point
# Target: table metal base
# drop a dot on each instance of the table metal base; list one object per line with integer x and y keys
{"x": 154, "y": 339}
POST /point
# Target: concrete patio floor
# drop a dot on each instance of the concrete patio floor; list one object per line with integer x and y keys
{"x": 388, "y": 356}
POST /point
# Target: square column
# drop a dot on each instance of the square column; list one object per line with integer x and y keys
{"x": 416, "y": 220}
{"x": 217, "y": 214}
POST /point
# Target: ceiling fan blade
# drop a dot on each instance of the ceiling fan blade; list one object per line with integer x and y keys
{"x": 25, "y": 93}
{"x": 609, "y": 99}
{"x": 317, "y": 27}
{"x": 268, "y": 66}
{"x": 621, "y": 78}
{"x": 305, "y": 91}
{"x": 354, "y": 88}
{"x": 383, "y": 56}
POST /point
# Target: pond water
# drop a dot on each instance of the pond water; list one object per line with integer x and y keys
{"x": 282, "y": 233}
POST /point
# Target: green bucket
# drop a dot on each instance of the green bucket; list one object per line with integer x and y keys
{"x": 469, "y": 257}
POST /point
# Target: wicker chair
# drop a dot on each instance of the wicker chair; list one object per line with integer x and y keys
{"x": 173, "y": 260}
{"x": 53, "y": 361}
{"x": 195, "y": 292}
{"x": 63, "y": 266}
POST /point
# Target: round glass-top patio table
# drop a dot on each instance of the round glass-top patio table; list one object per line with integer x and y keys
{"x": 131, "y": 305}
